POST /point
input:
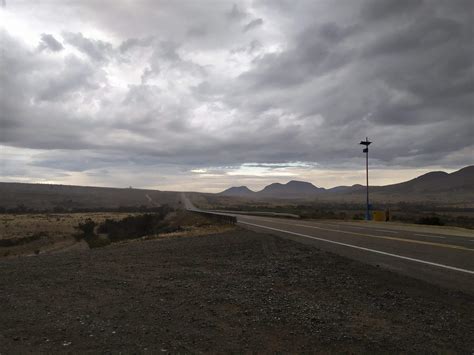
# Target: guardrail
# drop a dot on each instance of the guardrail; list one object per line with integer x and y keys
{"x": 257, "y": 213}
{"x": 221, "y": 217}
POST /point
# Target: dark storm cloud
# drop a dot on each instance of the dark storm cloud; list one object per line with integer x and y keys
{"x": 236, "y": 13}
{"x": 253, "y": 24}
{"x": 380, "y": 10}
{"x": 96, "y": 49}
{"x": 135, "y": 42}
{"x": 49, "y": 42}
{"x": 334, "y": 33}
{"x": 415, "y": 73}
{"x": 25, "y": 120}
{"x": 191, "y": 84}
{"x": 308, "y": 57}
{"x": 76, "y": 76}
{"x": 423, "y": 35}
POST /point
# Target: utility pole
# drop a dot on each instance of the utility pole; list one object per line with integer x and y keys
{"x": 366, "y": 143}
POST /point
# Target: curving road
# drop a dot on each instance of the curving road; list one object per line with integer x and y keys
{"x": 442, "y": 256}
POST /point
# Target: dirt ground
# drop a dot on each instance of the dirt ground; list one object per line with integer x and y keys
{"x": 234, "y": 291}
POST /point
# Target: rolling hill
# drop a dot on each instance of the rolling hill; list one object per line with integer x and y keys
{"x": 47, "y": 197}
{"x": 239, "y": 191}
{"x": 292, "y": 189}
{"x": 433, "y": 186}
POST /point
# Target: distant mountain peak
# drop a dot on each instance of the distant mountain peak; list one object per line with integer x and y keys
{"x": 237, "y": 191}
{"x": 293, "y": 188}
{"x": 466, "y": 170}
{"x": 433, "y": 174}
{"x": 299, "y": 183}
{"x": 423, "y": 187}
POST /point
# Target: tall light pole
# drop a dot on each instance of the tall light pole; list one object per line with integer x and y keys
{"x": 366, "y": 151}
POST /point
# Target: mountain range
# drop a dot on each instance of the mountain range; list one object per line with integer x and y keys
{"x": 433, "y": 186}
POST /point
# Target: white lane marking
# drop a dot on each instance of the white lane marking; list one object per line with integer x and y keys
{"x": 367, "y": 229}
{"x": 348, "y": 232}
{"x": 349, "y": 226}
{"x": 430, "y": 236}
{"x": 365, "y": 249}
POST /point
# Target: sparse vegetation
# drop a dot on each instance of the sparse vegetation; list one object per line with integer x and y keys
{"x": 137, "y": 226}
{"x": 87, "y": 230}
{"x": 23, "y": 234}
{"x": 421, "y": 213}
{"x": 430, "y": 220}
{"x": 10, "y": 242}
{"x": 130, "y": 227}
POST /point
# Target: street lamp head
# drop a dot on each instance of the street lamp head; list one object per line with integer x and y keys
{"x": 366, "y": 143}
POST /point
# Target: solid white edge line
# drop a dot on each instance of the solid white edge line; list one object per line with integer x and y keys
{"x": 365, "y": 249}
{"x": 429, "y": 236}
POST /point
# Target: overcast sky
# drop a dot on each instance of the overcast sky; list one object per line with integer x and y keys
{"x": 202, "y": 95}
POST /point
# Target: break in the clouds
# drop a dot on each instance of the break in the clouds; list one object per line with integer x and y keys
{"x": 204, "y": 94}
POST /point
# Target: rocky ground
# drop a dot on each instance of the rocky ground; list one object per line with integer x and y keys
{"x": 234, "y": 291}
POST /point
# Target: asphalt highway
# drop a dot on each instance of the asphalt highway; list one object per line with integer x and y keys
{"x": 441, "y": 258}
{"x": 438, "y": 255}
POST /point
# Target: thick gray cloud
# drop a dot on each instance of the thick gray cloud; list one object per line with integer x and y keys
{"x": 262, "y": 84}
{"x": 96, "y": 49}
{"x": 253, "y": 24}
{"x": 384, "y": 9}
{"x": 49, "y": 42}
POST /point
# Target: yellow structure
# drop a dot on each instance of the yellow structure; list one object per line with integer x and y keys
{"x": 378, "y": 216}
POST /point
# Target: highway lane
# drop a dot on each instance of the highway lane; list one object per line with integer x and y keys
{"x": 440, "y": 258}
{"x": 414, "y": 235}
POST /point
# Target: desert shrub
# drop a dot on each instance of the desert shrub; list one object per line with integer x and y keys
{"x": 11, "y": 242}
{"x": 137, "y": 226}
{"x": 132, "y": 226}
{"x": 430, "y": 220}
{"x": 97, "y": 241}
{"x": 87, "y": 233}
{"x": 128, "y": 228}
{"x": 86, "y": 229}
{"x": 320, "y": 213}
{"x": 464, "y": 221}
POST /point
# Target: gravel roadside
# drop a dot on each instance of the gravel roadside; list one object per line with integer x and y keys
{"x": 234, "y": 291}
